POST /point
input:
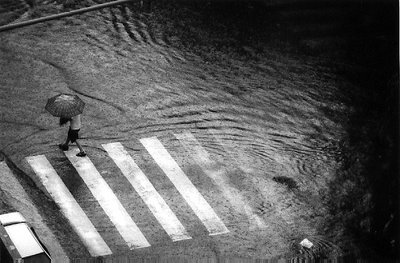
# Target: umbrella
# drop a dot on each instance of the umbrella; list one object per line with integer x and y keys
{"x": 65, "y": 105}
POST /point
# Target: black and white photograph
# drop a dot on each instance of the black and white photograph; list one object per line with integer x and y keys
{"x": 199, "y": 131}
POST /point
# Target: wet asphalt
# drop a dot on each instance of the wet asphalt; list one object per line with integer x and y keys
{"x": 275, "y": 121}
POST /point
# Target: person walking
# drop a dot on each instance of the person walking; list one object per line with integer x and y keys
{"x": 68, "y": 108}
{"x": 73, "y": 133}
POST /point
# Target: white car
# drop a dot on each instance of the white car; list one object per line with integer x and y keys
{"x": 19, "y": 242}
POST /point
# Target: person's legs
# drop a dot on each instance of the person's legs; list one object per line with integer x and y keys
{"x": 64, "y": 146}
{"x": 73, "y": 138}
{"x": 81, "y": 151}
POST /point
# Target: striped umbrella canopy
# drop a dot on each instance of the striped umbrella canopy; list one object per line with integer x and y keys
{"x": 65, "y": 105}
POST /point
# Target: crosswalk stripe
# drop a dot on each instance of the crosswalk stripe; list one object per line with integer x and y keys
{"x": 147, "y": 192}
{"x": 12, "y": 188}
{"x": 185, "y": 187}
{"x": 219, "y": 176}
{"x": 69, "y": 207}
{"x": 107, "y": 200}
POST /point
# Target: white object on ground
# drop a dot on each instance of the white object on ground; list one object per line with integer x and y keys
{"x": 306, "y": 243}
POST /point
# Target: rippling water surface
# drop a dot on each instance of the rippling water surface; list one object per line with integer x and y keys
{"x": 218, "y": 71}
{"x": 270, "y": 105}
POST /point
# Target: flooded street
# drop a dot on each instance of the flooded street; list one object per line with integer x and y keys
{"x": 281, "y": 116}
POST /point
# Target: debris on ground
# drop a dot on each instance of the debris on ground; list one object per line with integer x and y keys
{"x": 306, "y": 243}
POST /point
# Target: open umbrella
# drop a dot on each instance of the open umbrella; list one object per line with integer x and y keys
{"x": 65, "y": 105}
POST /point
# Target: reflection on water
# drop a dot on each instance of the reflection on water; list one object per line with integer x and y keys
{"x": 213, "y": 75}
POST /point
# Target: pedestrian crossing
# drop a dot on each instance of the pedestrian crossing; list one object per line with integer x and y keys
{"x": 108, "y": 201}
{"x": 13, "y": 193}
{"x": 68, "y": 205}
{"x": 185, "y": 187}
{"x": 112, "y": 207}
{"x": 147, "y": 192}
{"x": 219, "y": 176}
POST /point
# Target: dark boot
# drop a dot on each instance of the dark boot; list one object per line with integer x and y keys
{"x": 63, "y": 147}
{"x": 81, "y": 154}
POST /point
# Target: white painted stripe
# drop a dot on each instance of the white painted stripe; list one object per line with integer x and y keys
{"x": 147, "y": 192}
{"x": 69, "y": 207}
{"x": 219, "y": 175}
{"x": 16, "y": 196}
{"x": 107, "y": 200}
{"x": 185, "y": 187}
